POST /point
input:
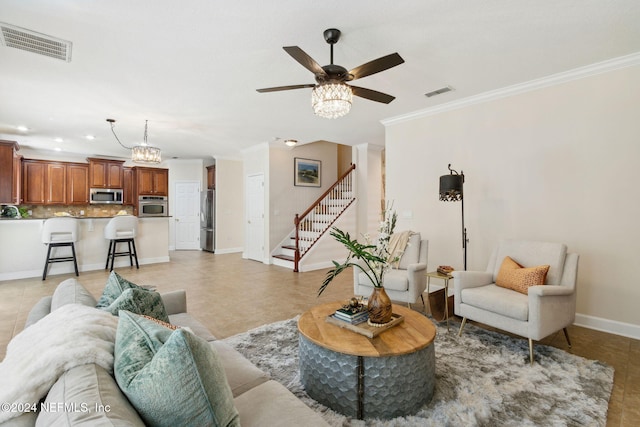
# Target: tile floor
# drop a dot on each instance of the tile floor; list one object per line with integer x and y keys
{"x": 231, "y": 295}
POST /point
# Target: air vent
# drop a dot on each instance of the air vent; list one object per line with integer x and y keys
{"x": 439, "y": 91}
{"x": 42, "y": 44}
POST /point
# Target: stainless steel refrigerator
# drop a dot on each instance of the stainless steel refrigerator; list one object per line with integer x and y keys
{"x": 207, "y": 220}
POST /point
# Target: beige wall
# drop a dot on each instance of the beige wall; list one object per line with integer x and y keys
{"x": 229, "y": 206}
{"x": 557, "y": 164}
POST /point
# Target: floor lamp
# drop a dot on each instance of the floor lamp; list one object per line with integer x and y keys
{"x": 451, "y": 191}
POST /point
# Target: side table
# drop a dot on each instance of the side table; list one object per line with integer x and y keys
{"x": 445, "y": 278}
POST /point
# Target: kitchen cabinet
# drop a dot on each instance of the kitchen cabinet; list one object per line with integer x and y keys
{"x": 33, "y": 182}
{"x": 128, "y": 193}
{"x": 54, "y": 183}
{"x": 9, "y": 160}
{"x": 105, "y": 173}
{"x": 211, "y": 177}
{"x": 152, "y": 181}
{"x": 77, "y": 184}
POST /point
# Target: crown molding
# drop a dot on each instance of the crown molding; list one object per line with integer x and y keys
{"x": 555, "y": 79}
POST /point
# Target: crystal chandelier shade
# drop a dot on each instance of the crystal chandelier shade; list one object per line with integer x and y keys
{"x": 142, "y": 153}
{"x": 331, "y": 100}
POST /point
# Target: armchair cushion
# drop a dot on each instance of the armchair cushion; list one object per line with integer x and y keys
{"x": 498, "y": 300}
{"x": 514, "y": 276}
{"x": 411, "y": 253}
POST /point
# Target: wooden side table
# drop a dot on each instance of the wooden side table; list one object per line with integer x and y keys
{"x": 445, "y": 278}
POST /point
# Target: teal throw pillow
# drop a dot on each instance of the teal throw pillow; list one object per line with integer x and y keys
{"x": 171, "y": 377}
{"x": 115, "y": 285}
{"x": 139, "y": 301}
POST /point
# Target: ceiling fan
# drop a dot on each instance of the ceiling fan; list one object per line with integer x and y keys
{"x": 331, "y": 96}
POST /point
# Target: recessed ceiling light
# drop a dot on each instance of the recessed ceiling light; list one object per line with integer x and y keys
{"x": 58, "y": 149}
{"x": 90, "y": 137}
{"x": 22, "y": 128}
{"x": 58, "y": 139}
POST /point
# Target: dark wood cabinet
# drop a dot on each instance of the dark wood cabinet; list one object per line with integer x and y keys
{"x": 9, "y": 160}
{"x": 33, "y": 182}
{"x": 105, "y": 173}
{"x": 56, "y": 184}
{"x": 152, "y": 181}
{"x": 128, "y": 196}
{"x": 77, "y": 184}
{"x": 211, "y": 177}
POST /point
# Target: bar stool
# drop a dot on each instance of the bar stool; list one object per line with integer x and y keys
{"x": 57, "y": 232}
{"x": 121, "y": 229}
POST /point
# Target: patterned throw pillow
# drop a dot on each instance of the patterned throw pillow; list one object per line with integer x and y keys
{"x": 172, "y": 378}
{"x": 514, "y": 276}
{"x": 115, "y": 285}
{"x": 139, "y": 301}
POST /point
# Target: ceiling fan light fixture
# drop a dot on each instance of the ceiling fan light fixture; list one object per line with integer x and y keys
{"x": 331, "y": 100}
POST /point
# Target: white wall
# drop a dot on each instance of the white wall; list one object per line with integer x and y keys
{"x": 556, "y": 164}
{"x": 285, "y": 199}
{"x": 229, "y": 206}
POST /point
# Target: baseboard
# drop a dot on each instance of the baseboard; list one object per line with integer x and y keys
{"x": 316, "y": 266}
{"x": 27, "y": 274}
{"x": 228, "y": 250}
{"x": 610, "y": 326}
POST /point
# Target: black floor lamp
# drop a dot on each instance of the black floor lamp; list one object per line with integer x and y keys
{"x": 451, "y": 191}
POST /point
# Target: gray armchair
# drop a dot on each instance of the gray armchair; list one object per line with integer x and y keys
{"x": 545, "y": 310}
{"x": 405, "y": 283}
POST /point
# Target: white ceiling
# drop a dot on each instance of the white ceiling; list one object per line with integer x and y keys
{"x": 192, "y": 67}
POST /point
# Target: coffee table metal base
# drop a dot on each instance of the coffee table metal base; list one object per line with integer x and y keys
{"x": 368, "y": 387}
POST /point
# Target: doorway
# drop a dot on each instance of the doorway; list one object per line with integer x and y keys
{"x": 187, "y": 215}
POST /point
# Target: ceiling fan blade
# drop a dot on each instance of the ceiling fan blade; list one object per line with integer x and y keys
{"x": 275, "y": 89}
{"x": 376, "y": 66}
{"x": 307, "y": 62}
{"x": 373, "y": 95}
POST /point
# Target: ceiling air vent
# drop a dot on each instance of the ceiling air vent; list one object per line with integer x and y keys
{"x": 42, "y": 44}
{"x": 439, "y": 91}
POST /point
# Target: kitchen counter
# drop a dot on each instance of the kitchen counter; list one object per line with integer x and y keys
{"x": 25, "y": 253}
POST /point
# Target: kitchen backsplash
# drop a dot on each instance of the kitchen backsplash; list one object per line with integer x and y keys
{"x": 48, "y": 211}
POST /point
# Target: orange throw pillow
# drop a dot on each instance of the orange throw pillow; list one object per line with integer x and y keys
{"x": 514, "y": 276}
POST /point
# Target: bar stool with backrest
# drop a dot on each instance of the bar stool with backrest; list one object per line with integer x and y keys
{"x": 58, "y": 232}
{"x": 121, "y": 229}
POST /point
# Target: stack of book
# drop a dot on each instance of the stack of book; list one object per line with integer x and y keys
{"x": 351, "y": 317}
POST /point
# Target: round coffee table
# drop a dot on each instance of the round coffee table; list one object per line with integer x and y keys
{"x": 390, "y": 375}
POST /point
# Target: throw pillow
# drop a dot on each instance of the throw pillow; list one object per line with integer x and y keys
{"x": 171, "y": 377}
{"x": 115, "y": 285}
{"x": 139, "y": 301}
{"x": 518, "y": 278}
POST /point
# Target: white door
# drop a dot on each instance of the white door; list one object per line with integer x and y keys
{"x": 187, "y": 215}
{"x": 255, "y": 218}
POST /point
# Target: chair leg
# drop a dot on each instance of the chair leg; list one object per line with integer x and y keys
{"x": 566, "y": 335}
{"x": 46, "y": 263}
{"x": 531, "y": 351}
{"x": 135, "y": 253}
{"x": 464, "y": 320}
{"x": 130, "y": 254}
{"x": 113, "y": 254}
{"x": 409, "y": 305}
{"x": 108, "y": 254}
{"x": 422, "y": 298}
{"x": 75, "y": 262}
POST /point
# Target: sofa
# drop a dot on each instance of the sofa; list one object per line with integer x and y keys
{"x": 259, "y": 401}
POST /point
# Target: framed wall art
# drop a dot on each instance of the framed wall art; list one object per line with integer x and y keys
{"x": 306, "y": 172}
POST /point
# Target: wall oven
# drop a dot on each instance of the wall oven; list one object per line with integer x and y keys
{"x": 153, "y": 206}
{"x": 112, "y": 196}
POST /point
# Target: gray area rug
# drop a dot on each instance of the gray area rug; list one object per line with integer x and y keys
{"x": 483, "y": 379}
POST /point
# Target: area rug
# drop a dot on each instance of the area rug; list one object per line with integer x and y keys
{"x": 482, "y": 379}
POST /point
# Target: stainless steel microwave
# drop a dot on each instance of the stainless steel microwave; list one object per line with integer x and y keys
{"x": 153, "y": 206}
{"x": 112, "y": 196}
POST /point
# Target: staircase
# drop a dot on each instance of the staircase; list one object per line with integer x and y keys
{"x": 312, "y": 224}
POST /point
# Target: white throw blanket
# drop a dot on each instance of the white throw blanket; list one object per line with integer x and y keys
{"x": 397, "y": 245}
{"x": 70, "y": 336}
